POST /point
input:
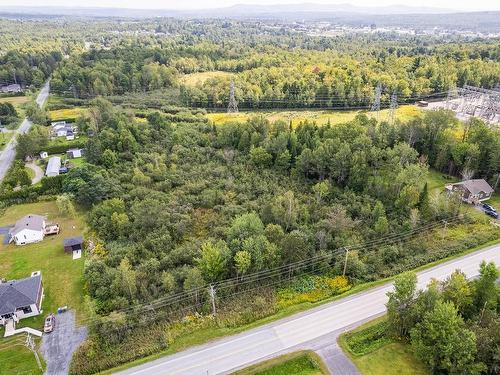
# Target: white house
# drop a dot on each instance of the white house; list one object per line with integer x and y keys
{"x": 53, "y": 166}
{"x": 70, "y": 135}
{"x": 21, "y": 298}
{"x": 44, "y": 155}
{"x": 29, "y": 229}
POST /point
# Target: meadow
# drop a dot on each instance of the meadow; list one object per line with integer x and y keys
{"x": 320, "y": 117}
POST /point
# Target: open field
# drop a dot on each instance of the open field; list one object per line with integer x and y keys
{"x": 320, "y": 117}
{"x": 5, "y": 138}
{"x": 65, "y": 114}
{"x": 194, "y": 79}
{"x": 375, "y": 354}
{"x": 298, "y": 363}
{"x": 15, "y": 100}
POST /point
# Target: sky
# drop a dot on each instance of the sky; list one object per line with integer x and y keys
{"x": 203, "y": 4}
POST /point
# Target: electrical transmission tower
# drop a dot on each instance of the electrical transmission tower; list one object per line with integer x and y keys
{"x": 393, "y": 106}
{"x": 233, "y": 105}
{"x": 452, "y": 95}
{"x": 376, "y": 101}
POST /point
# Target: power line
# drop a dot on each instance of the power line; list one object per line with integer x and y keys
{"x": 233, "y": 105}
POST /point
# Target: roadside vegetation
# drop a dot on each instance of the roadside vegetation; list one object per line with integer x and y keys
{"x": 452, "y": 327}
{"x": 298, "y": 363}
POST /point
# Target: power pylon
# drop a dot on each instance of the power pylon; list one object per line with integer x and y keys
{"x": 376, "y": 101}
{"x": 393, "y": 106}
{"x": 452, "y": 94}
{"x": 233, "y": 105}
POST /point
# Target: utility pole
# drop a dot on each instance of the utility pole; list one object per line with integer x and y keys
{"x": 376, "y": 101}
{"x": 30, "y": 344}
{"x": 212, "y": 297}
{"x": 345, "y": 261}
{"x": 393, "y": 106}
{"x": 233, "y": 105}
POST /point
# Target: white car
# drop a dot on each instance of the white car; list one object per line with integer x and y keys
{"x": 50, "y": 323}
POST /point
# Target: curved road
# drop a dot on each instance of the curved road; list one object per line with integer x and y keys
{"x": 9, "y": 152}
{"x": 303, "y": 330}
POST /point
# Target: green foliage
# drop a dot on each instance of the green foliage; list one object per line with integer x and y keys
{"x": 213, "y": 260}
{"x": 399, "y": 306}
{"x": 368, "y": 339}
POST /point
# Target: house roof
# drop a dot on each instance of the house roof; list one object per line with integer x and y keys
{"x": 19, "y": 293}
{"x": 476, "y": 186}
{"x": 53, "y": 165}
{"x": 33, "y": 222}
{"x": 72, "y": 241}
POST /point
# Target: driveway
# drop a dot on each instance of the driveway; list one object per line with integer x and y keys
{"x": 58, "y": 346}
{"x": 4, "y": 231}
{"x": 38, "y": 172}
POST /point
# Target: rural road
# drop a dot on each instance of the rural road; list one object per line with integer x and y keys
{"x": 301, "y": 330}
{"x": 9, "y": 152}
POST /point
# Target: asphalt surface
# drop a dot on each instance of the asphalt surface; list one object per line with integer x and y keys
{"x": 9, "y": 152}
{"x": 307, "y": 329}
{"x": 58, "y": 346}
{"x": 4, "y": 231}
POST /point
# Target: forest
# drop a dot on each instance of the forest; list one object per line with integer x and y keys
{"x": 271, "y": 214}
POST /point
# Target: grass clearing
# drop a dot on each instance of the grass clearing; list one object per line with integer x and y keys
{"x": 15, "y": 100}
{"x": 66, "y": 114}
{"x": 194, "y": 79}
{"x": 298, "y": 363}
{"x": 374, "y": 353}
{"x": 5, "y": 138}
{"x": 320, "y": 117}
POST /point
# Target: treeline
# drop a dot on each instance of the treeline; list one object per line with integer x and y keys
{"x": 453, "y": 326}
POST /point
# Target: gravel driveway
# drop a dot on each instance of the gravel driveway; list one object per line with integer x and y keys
{"x": 38, "y": 172}
{"x": 58, "y": 346}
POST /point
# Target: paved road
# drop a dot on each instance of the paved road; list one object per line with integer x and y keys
{"x": 300, "y": 330}
{"x": 9, "y": 152}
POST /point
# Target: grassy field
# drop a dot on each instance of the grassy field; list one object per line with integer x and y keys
{"x": 298, "y": 363}
{"x": 15, "y": 100}
{"x": 5, "y": 138}
{"x": 194, "y": 79}
{"x": 64, "y": 114}
{"x": 320, "y": 117}
{"x": 62, "y": 277}
{"x": 386, "y": 357}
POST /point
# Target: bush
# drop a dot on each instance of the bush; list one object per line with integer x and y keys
{"x": 368, "y": 339}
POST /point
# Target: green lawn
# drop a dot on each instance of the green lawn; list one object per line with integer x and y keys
{"x": 61, "y": 275}
{"x": 436, "y": 181}
{"x": 67, "y": 113}
{"x": 381, "y": 355}
{"x": 5, "y": 138}
{"x": 298, "y": 363}
{"x": 15, "y": 358}
{"x": 321, "y": 117}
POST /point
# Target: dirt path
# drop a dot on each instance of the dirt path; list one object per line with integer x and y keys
{"x": 38, "y": 172}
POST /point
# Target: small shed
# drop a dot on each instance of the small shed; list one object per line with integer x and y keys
{"x": 44, "y": 155}
{"x": 74, "y": 245}
{"x": 70, "y": 135}
{"x": 74, "y": 153}
{"x": 53, "y": 166}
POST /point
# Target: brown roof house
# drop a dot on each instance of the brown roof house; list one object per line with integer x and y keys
{"x": 21, "y": 298}
{"x": 472, "y": 191}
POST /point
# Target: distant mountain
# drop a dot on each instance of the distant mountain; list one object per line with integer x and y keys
{"x": 307, "y": 10}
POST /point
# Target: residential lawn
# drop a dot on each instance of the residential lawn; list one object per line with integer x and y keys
{"x": 18, "y": 360}
{"x": 61, "y": 275}
{"x": 321, "y": 117}
{"x": 194, "y": 79}
{"x": 436, "y": 181}
{"x": 64, "y": 114}
{"x": 381, "y": 356}
{"x": 298, "y": 363}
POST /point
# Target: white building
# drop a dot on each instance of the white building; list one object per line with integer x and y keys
{"x": 53, "y": 166}
{"x": 44, "y": 155}
{"x": 21, "y": 299}
{"x": 29, "y": 229}
{"x": 74, "y": 153}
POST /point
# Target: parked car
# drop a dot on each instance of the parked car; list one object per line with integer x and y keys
{"x": 50, "y": 323}
{"x": 487, "y": 207}
{"x": 491, "y": 213}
